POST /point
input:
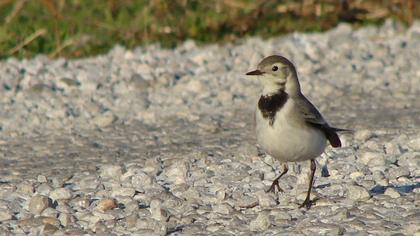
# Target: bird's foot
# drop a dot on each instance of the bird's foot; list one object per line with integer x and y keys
{"x": 307, "y": 203}
{"x": 273, "y": 187}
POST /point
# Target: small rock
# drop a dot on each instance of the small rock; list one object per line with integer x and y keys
{"x": 48, "y": 229}
{"x": 141, "y": 180}
{"x": 104, "y": 120}
{"x": 123, "y": 192}
{"x": 414, "y": 144}
{"x": 65, "y": 219}
{"x": 281, "y": 215}
{"x": 131, "y": 220}
{"x": 156, "y": 210}
{"x": 63, "y": 207}
{"x": 356, "y": 175}
{"x": 44, "y": 189}
{"x": 222, "y": 209}
{"x": 373, "y": 158}
{"x": 42, "y": 179}
{"x": 355, "y": 192}
{"x": 100, "y": 228}
{"x": 50, "y": 220}
{"x": 50, "y": 212}
{"x": 363, "y": 135}
{"x": 106, "y": 204}
{"x": 261, "y": 223}
{"x": 25, "y": 188}
{"x": 103, "y": 216}
{"x": 151, "y": 166}
{"x": 80, "y": 202}
{"x": 38, "y": 203}
{"x": 131, "y": 206}
{"x": 5, "y": 215}
{"x": 392, "y": 193}
{"x": 60, "y": 194}
{"x": 395, "y": 173}
{"x": 265, "y": 199}
{"x": 111, "y": 171}
{"x": 177, "y": 173}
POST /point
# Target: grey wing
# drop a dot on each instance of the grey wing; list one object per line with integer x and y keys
{"x": 309, "y": 112}
{"x": 313, "y": 117}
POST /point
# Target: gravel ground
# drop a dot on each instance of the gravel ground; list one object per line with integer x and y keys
{"x": 156, "y": 141}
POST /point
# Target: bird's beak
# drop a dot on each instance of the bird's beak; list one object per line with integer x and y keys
{"x": 255, "y": 72}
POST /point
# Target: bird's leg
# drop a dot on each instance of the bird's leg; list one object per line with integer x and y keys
{"x": 307, "y": 203}
{"x": 276, "y": 181}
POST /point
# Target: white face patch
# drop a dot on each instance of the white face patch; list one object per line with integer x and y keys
{"x": 271, "y": 83}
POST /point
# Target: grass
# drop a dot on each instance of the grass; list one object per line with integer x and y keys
{"x": 80, "y": 28}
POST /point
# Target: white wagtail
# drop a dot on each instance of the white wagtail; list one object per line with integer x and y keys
{"x": 288, "y": 126}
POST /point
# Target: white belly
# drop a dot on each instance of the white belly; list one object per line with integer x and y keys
{"x": 289, "y": 139}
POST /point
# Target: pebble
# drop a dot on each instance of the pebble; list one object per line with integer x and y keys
{"x": 357, "y": 193}
{"x": 106, "y": 204}
{"x": 123, "y": 192}
{"x": 363, "y": 135}
{"x": 44, "y": 189}
{"x": 25, "y": 188}
{"x": 65, "y": 219}
{"x": 111, "y": 171}
{"x": 51, "y": 212}
{"x": 265, "y": 199}
{"x": 48, "y": 229}
{"x": 373, "y": 159}
{"x": 38, "y": 203}
{"x": 414, "y": 144}
{"x": 156, "y": 210}
{"x": 60, "y": 194}
{"x": 392, "y": 193}
{"x": 5, "y": 215}
{"x": 261, "y": 223}
{"x": 42, "y": 179}
{"x": 177, "y": 173}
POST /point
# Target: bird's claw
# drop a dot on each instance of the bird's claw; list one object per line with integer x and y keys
{"x": 307, "y": 204}
{"x": 273, "y": 187}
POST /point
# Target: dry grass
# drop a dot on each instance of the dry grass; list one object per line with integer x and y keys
{"x": 77, "y": 28}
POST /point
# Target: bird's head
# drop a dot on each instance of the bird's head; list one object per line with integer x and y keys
{"x": 277, "y": 73}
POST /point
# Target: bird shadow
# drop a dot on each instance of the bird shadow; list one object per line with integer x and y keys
{"x": 379, "y": 189}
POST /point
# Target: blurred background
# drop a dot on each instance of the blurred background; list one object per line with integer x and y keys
{"x": 81, "y": 28}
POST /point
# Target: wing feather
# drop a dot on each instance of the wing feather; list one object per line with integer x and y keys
{"x": 313, "y": 117}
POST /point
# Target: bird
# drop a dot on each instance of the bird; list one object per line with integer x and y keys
{"x": 288, "y": 126}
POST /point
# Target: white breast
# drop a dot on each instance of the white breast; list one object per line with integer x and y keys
{"x": 289, "y": 139}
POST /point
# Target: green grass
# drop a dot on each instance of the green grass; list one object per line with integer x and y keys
{"x": 79, "y": 28}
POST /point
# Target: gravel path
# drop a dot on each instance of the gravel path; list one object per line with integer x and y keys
{"x": 156, "y": 141}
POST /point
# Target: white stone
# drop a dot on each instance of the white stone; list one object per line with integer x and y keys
{"x": 61, "y": 194}
{"x": 261, "y": 223}
{"x": 5, "y": 215}
{"x": 38, "y": 203}
{"x": 392, "y": 193}
{"x": 111, "y": 171}
{"x": 363, "y": 135}
{"x": 177, "y": 173}
{"x": 156, "y": 210}
{"x": 414, "y": 144}
{"x": 123, "y": 192}
{"x": 65, "y": 219}
{"x": 265, "y": 199}
{"x": 357, "y": 193}
{"x": 373, "y": 158}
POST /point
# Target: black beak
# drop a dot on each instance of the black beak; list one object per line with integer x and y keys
{"x": 255, "y": 72}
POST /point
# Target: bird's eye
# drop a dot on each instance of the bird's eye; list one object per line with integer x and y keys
{"x": 275, "y": 68}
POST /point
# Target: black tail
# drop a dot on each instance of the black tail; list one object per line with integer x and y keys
{"x": 332, "y": 136}
{"x": 331, "y": 133}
